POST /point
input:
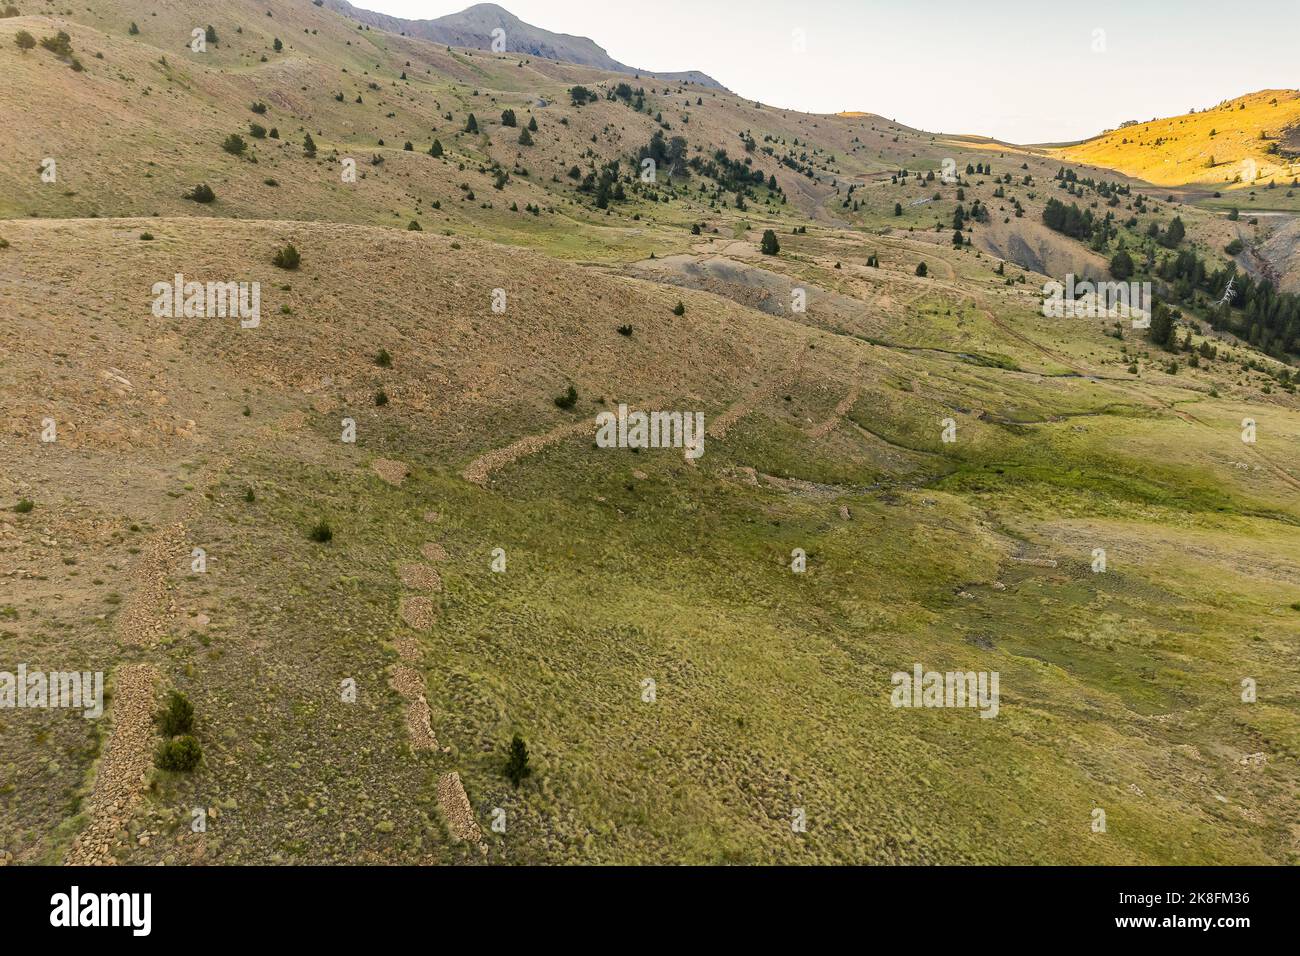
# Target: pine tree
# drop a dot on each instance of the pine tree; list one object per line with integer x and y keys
{"x": 517, "y": 768}
{"x": 769, "y": 245}
{"x": 1163, "y": 328}
{"x": 471, "y": 124}
{"x": 1121, "y": 266}
{"x": 436, "y": 149}
{"x": 308, "y": 146}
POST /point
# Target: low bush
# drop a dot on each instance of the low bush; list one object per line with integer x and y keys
{"x": 178, "y": 756}
{"x": 287, "y": 257}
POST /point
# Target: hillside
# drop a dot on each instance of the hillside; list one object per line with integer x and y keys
{"x": 474, "y": 28}
{"x": 376, "y": 619}
{"x": 1243, "y": 143}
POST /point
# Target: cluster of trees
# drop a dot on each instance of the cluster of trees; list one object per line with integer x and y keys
{"x": 1070, "y": 220}
{"x": 1268, "y": 319}
{"x": 634, "y": 98}
{"x": 668, "y": 154}
{"x": 1069, "y": 180}
{"x": 60, "y": 45}
{"x": 978, "y": 213}
{"x": 733, "y": 175}
{"x": 580, "y": 95}
{"x": 1169, "y": 238}
{"x": 605, "y": 185}
{"x": 1252, "y": 309}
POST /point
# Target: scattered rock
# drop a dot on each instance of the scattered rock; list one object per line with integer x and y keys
{"x": 420, "y": 577}
{"x": 1036, "y": 562}
{"x": 408, "y": 682}
{"x": 456, "y": 808}
{"x": 119, "y": 780}
{"x": 417, "y": 612}
{"x": 393, "y": 472}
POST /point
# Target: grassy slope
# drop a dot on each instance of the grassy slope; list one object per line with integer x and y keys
{"x": 1230, "y": 134}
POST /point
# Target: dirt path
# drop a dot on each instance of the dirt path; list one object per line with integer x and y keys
{"x": 417, "y": 613}
{"x": 120, "y": 777}
{"x": 1026, "y": 340}
{"x": 1252, "y": 450}
{"x": 718, "y": 428}
{"x": 409, "y": 683}
{"x": 823, "y": 429}
{"x": 481, "y": 468}
{"x": 457, "y": 809}
{"x": 149, "y": 609}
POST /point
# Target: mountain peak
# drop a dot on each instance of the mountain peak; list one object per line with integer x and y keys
{"x": 473, "y": 28}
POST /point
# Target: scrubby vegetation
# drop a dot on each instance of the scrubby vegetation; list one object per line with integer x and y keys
{"x": 201, "y": 193}
{"x": 177, "y": 718}
{"x": 287, "y": 257}
{"x": 180, "y": 755}
{"x": 568, "y": 399}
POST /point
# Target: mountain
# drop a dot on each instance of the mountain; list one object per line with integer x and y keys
{"x": 1235, "y": 145}
{"x": 473, "y": 26}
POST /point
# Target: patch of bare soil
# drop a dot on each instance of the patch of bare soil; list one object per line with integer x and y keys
{"x": 417, "y": 612}
{"x": 456, "y": 808}
{"x": 420, "y": 577}
{"x": 434, "y": 551}
{"x": 408, "y": 682}
{"x": 121, "y": 776}
{"x": 408, "y": 648}
{"x": 393, "y": 472}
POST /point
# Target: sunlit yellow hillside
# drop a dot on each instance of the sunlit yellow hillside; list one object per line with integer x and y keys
{"x": 1253, "y": 137}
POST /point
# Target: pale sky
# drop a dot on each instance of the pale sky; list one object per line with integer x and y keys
{"x": 1019, "y": 70}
